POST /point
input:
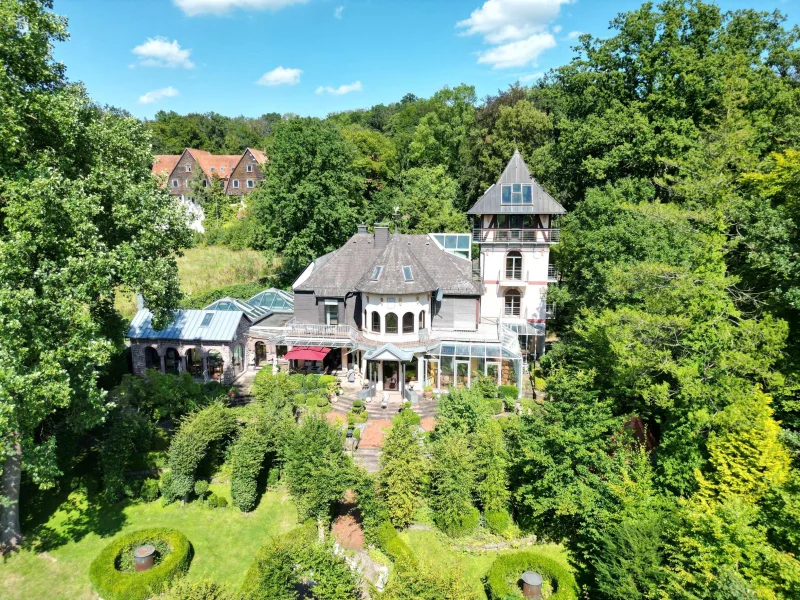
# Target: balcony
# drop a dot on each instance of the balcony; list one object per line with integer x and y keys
{"x": 516, "y": 236}
{"x": 552, "y": 273}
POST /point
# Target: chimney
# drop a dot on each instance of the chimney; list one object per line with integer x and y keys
{"x": 381, "y": 236}
{"x": 362, "y": 228}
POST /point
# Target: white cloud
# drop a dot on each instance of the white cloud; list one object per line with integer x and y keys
{"x": 160, "y": 52}
{"x": 517, "y": 54}
{"x": 338, "y": 12}
{"x": 342, "y": 89}
{"x": 193, "y": 8}
{"x": 557, "y": 28}
{"x": 531, "y": 77}
{"x": 156, "y": 95}
{"x": 501, "y": 21}
{"x": 280, "y": 76}
{"x": 574, "y": 35}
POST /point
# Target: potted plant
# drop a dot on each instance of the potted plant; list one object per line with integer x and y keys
{"x": 428, "y": 391}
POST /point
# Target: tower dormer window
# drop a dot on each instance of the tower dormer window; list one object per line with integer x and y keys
{"x": 376, "y": 273}
{"x": 407, "y": 274}
{"x": 517, "y": 193}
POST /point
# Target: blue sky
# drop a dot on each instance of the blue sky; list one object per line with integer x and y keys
{"x": 312, "y": 57}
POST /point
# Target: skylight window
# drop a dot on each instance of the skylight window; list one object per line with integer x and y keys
{"x": 407, "y": 275}
{"x": 376, "y": 273}
{"x": 207, "y": 320}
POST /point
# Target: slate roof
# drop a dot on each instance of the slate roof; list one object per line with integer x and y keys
{"x": 516, "y": 171}
{"x": 188, "y": 325}
{"x": 349, "y": 268}
{"x": 397, "y": 254}
{"x": 254, "y": 313}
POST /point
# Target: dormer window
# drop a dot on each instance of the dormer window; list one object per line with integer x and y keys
{"x": 212, "y": 169}
{"x": 249, "y": 168}
{"x": 407, "y": 274}
{"x": 376, "y": 273}
{"x": 222, "y": 169}
{"x": 517, "y": 193}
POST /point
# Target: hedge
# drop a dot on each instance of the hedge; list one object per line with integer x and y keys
{"x": 247, "y": 457}
{"x": 296, "y": 381}
{"x": 508, "y": 391}
{"x": 498, "y": 521}
{"x": 388, "y": 541}
{"x": 458, "y": 525}
{"x": 112, "y": 584}
{"x": 512, "y": 566}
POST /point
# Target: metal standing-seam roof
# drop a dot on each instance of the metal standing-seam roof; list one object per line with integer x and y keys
{"x": 188, "y": 324}
{"x": 516, "y": 171}
{"x": 254, "y": 313}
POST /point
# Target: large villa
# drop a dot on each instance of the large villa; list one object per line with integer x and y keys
{"x": 404, "y": 312}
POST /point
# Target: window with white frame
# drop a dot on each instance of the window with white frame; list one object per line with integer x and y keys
{"x": 331, "y": 311}
{"x": 236, "y": 184}
{"x": 188, "y": 168}
{"x": 514, "y": 265}
{"x": 249, "y": 168}
{"x": 175, "y": 183}
{"x": 251, "y": 183}
{"x": 513, "y": 301}
{"x": 222, "y": 169}
{"x": 517, "y": 193}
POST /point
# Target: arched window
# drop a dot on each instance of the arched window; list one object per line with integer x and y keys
{"x": 216, "y": 365}
{"x": 376, "y": 322}
{"x": 512, "y": 303}
{"x": 194, "y": 362}
{"x": 391, "y": 323}
{"x": 514, "y": 265}
{"x": 422, "y": 319}
{"x": 408, "y": 322}
{"x": 172, "y": 361}
{"x": 151, "y": 359}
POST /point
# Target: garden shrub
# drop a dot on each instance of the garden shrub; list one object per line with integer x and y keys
{"x": 167, "y": 489}
{"x": 496, "y": 406}
{"x": 498, "y": 521}
{"x": 200, "y": 489}
{"x": 247, "y": 458}
{"x": 273, "y": 478}
{"x": 409, "y": 417}
{"x": 485, "y": 387}
{"x": 272, "y": 574}
{"x": 299, "y": 399}
{"x": 200, "y": 590}
{"x": 113, "y": 584}
{"x": 296, "y": 381}
{"x": 539, "y": 384}
{"x": 508, "y": 391}
{"x": 457, "y": 525}
{"x": 321, "y": 402}
{"x": 326, "y": 380}
{"x": 213, "y": 501}
{"x": 311, "y": 381}
{"x": 501, "y": 581}
{"x": 358, "y": 404}
{"x": 150, "y": 490}
{"x": 163, "y": 395}
{"x": 195, "y": 437}
{"x": 130, "y": 433}
{"x": 222, "y": 502}
{"x": 387, "y": 539}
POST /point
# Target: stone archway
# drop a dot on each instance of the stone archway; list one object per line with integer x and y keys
{"x": 151, "y": 359}
{"x": 261, "y": 352}
{"x": 172, "y": 361}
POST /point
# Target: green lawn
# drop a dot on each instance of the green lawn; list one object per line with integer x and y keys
{"x": 225, "y": 541}
{"x": 206, "y": 268}
{"x": 433, "y": 548}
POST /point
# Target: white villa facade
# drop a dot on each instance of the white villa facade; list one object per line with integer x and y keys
{"x": 407, "y": 312}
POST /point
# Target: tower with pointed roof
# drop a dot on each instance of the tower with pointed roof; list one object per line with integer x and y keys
{"x": 515, "y": 224}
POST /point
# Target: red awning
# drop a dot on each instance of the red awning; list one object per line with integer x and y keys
{"x": 306, "y": 353}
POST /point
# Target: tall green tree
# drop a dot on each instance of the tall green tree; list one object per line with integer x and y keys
{"x": 311, "y": 200}
{"x": 400, "y": 476}
{"x": 80, "y": 216}
{"x": 452, "y": 479}
{"x": 317, "y": 471}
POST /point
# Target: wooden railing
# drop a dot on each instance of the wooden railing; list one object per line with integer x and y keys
{"x": 516, "y": 236}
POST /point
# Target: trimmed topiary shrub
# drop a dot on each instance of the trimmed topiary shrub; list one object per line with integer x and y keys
{"x": 321, "y": 402}
{"x": 311, "y": 381}
{"x": 222, "y": 502}
{"x": 299, "y": 399}
{"x": 498, "y": 521}
{"x": 326, "y": 380}
{"x": 110, "y": 577}
{"x": 200, "y": 489}
{"x": 496, "y": 406}
{"x": 358, "y": 404}
{"x": 248, "y": 455}
{"x": 501, "y": 581}
{"x": 508, "y": 391}
{"x": 213, "y": 501}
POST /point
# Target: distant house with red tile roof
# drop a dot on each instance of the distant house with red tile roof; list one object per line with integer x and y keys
{"x": 182, "y": 167}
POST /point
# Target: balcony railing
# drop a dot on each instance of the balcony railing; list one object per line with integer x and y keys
{"x": 552, "y": 273}
{"x": 516, "y": 236}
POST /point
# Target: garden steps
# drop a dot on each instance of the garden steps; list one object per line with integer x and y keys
{"x": 368, "y": 458}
